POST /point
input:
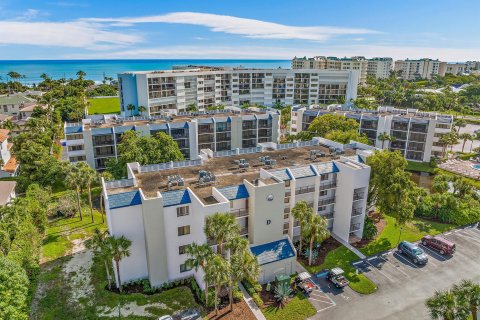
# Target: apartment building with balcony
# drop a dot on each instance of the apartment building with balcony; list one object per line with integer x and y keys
{"x": 416, "y": 134}
{"x": 173, "y": 91}
{"x": 96, "y": 139}
{"x": 417, "y": 69}
{"x": 452, "y": 68}
{"x": 377, "y": 67}
{"x": 162, "y": 208}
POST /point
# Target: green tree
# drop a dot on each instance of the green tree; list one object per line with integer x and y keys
{"x": 448, "y": 139}
{"x": 369, "y": 229}
{"x": 445, "y": 305}
{"x": 98, "y": 243}
{"x": 192, "y": 107}
{"x": 13, "y": 290}
{"x": 315, "y": 230}
{"x": 217, "y": 272}
{"x": 89, "y": 177}
{"x": 345, "y": 137}
{"x": 131, "y": 108}
{"x": 198, "y": 257}
{"x": 300, "y": 212}
{"x": 221, "y": 227}
{"x": 327, "y": 123}
{"x": 384, "y": 136}
{"x": 74, "y": 181}
{"x": 119, "y": 248}
{"x": 465, "y": 137}
{"x": 468, "y": 293}
{"x": 459, "y": 123}
{"x": 80, "y": 74}
{"x": 141, "y": 109}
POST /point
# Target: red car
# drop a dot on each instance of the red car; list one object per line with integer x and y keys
{"x": 440, "y": 244}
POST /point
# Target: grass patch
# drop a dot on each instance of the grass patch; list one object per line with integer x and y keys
{"x": 412, "y": 232}
{"x": 62, "y": 231}
{"x": 104, "y": 105}
{"x": 420, "y": 166}
{"x": 298, "y": 308}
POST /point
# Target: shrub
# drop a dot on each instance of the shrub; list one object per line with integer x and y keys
{"x": 369, "y": 229}
{"x": 256, "y": 298}
{"x": 237, "y": 293}
{"x": 282, "y": 292}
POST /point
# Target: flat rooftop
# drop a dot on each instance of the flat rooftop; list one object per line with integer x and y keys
{"x": 227, "y": 171}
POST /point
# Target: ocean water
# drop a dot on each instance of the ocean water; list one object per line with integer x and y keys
{"x": 97, "y": 69}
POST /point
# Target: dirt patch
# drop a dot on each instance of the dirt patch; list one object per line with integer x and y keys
{"x": 327, "y": 246}
{"x": 130, "y": 309}
{"x": 77, "y": 270}
{"x": 380, "y": 223}
{"x": 240, "y": 311}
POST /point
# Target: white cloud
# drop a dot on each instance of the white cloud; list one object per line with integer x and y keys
{"x": 274, "y": 52}
{"x": 30, "y": 14}
{"x": 77, "y": 34}
{"x": 250, "y": 28}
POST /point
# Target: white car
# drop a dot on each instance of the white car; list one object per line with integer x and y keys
{"x": 165, "y": 318}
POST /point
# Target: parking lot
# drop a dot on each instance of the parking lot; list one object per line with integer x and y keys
{"x": 403, "y": 286}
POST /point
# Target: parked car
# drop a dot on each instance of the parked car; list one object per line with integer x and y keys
{"x": 413, "y": 252}
{"x": 167, "y": 317}
{"x": 190, "y": 314}
{"x": 303, "y": 282}
{"x": 440, "y": 244}
{"x": 336, "y": 277}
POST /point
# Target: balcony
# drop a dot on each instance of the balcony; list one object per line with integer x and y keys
{"x": 325, "y": 202}
{"x": 303, "y": 190}
{"x": 358, "y": 196}
{"x": 328, "y": 215}
{"x": 286, "y": 210}
{"x": 244, "y": 231}
{"x": 288, "y": 193}
{"x": 356, "y": 212}
{"x": 239, "y": 212}
{"x": 354, "y": 227}
{"x": 285, "y": 226}
{"x": 296, "y": 224}
{"x": 328, "y": 185}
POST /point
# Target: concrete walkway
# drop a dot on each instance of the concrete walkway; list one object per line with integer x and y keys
{"x": 251, "y": 304}
{"x": 349, "y": 246}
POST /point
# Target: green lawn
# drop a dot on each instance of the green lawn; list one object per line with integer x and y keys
{"x": 104, "y": 105}
{"x": 61, "y": 232}
{"x": 419, "y": 166}
{"x": 298, "y": 308}
{"x": 388, "y": 239}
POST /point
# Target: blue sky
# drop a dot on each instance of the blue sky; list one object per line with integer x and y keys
{"x": 244, "y": 29}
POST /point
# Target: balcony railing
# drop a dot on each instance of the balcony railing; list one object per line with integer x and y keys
{"x": 243, "y": 231}
{"x": 328, "y": 215}
{"x": 328, "y": 185}
{"x": 239, "y": 213}
{"x": 326, "y": 202}
{"x": 354, "y": 227}
{"x": 285, "y": 226}
{"x": 356, "y": 212}
{"x": 296, "y": 224}
{"x": 288, "y": 193}
{"x": 307, "y": 189}
{"x": 286, "y": 210}
{"x": 358, "y": 196}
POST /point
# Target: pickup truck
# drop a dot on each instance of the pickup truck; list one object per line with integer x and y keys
{"x": 336, "y": 277}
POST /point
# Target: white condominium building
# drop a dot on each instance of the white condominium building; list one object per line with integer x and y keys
{"x": 173, "y": 91}
{"x": 162, "y": 208}
{"x": 416, "y": 133}
{"x": 96, "y": 139}
{"x": 377, "y": 67}
{"x": 452, "y": 68}
{"x": 417, "y": 69}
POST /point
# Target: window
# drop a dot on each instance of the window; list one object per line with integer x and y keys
{"x": 287, "y": 183}
{"x": 324, "y": 177}
{"x": 183, "y": 230}
{"x": 323, "y": 193}
{"x": 184, "y": 267}
{"x": 182, "y": 249}
{"x": 286, "y": 200}
{"x": 183, "y": 211}
{"x": 231, "y": 204}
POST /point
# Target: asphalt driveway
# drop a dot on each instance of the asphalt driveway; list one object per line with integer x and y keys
{"x": 402, "y": 286}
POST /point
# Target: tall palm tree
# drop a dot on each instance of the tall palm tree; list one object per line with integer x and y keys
{"x": 244, "y": 266}
{"x": 299, "y": 212}
{"x": 119, "y": 248}
{"x": 472, "y": 139}
{"x": 218, "y": 273}
{"x": 89, "y": 176}
{"x": 81, "y": 74}
{"x": 130, "y": 107}
{"x": 315, "y": 230}
{"x": 141, "y": 109}
{"x": 74, "y": 181}
{"x": 468, "y": 293}
{"x": 221, "y": 227}
{"x": 384, "y": 136}
{"x": 444, "y": 305}
{"x": 465, "y": 137}
{"x": 98, "y": 243}
{"x": 459, "y": 123}
{"x": 199, "y": 255}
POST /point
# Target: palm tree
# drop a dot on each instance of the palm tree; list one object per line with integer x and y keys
{"x": 141, "y": 109}
{"x": 74, "y": 181}
{"x": 472, "y": 139}
{"x": 460, "y": 123}
{"x": 89, "y": 176}
{"x": 217, "y": 272}
{"x": 119, "y": 248}
{"x": 80, "y": 74}
{"x": 199, "y": 255}
{"x": 98, "y": 243}
{"x": 445, "y": 305}
{"x": 244, "y": 265}
{"x": 221, "y": 227}
{"x": 299, "y": 212}
{"x": 315, "y": 230}
{"x": 130, "y": 107}
{"x": 384, "y": 136}
{"x": 468, "y": 293}
{"x": 465, "y": 137}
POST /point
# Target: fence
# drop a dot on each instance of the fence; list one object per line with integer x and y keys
{"x": 169, "y": 165}
{"x": 236, "y": 152}
{"x": 119, "y": 183}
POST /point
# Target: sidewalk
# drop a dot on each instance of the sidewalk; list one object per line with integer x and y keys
{"x": 349, "y": 246}
{"x": 251, "y": 304}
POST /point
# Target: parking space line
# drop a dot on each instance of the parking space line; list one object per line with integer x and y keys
{"x": 467, "y": 235}
{"x": 397, "y": 268}
{"x": 432, "y": 252}
{"x": 408, "y": 261}
{"x": 473, "y": 233}
{"x": 383, "y": 274}
{"x": 325, "y": 308}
